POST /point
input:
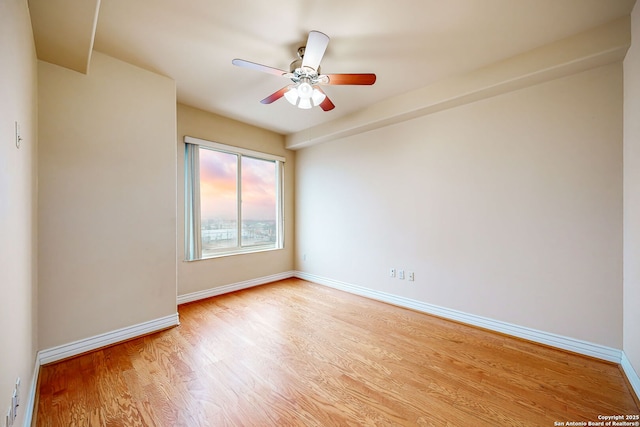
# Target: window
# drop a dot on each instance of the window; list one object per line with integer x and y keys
{"x": 233, "y": 200}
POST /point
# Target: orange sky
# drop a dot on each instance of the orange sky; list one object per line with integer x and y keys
{"x": 218, "y": 187}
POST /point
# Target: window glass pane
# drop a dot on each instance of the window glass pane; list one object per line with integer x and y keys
{"x": 218, "y": 201}
{"x": 258, "y": 201}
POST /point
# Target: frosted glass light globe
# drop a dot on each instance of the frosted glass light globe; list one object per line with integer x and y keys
{"x": 305, "y": 90}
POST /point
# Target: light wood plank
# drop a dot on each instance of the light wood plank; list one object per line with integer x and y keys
{"x": 293, "y": 353}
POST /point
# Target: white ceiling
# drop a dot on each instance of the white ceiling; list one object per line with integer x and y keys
{"x": 409, "y": 44}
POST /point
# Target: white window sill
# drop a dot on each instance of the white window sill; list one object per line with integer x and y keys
{"x": 246, "y": 251}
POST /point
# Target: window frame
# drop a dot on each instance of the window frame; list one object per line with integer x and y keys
{"x": 193, "y": 225}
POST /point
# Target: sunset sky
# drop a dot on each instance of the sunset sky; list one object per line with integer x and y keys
{"x": 218, "y": 187}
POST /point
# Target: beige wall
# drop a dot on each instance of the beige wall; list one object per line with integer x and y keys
{"x": 508, "y": 208}
{"x": 18, "y": 274}
{"x": 207, "y": 274}
{"x": 107, "y": 199}
{"x": 632, "y": 195}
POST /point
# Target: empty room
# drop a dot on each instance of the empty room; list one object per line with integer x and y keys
{"x": 306, "y": 213}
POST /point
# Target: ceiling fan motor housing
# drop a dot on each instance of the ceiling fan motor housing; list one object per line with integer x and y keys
{"x": 299, "y": 71}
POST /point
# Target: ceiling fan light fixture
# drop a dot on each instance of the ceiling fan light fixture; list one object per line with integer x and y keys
{"x": 305, "y": 103}
{"x": 305, "y": 96}
{"x": 292, "y": 95}
{"x": 317, "y": 96}
{"x": 305, "y": 90}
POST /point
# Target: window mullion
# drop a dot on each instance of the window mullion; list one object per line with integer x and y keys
{"x": 239, "y": 199}
{"x": 197, "y": 223}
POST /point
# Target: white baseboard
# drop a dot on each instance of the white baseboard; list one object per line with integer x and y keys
{"x": 631, "y": 374}
{"x": 558, "y": 341}
{"x": 93, "y": 343}
{"x": 225, "y": 289}
{"x": 31, "y": 398}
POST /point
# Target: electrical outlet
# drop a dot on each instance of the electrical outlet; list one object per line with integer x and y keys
{"x": 412, "y": 276}
{"x": 401, "y": 274}
{"x": 392, "y": 272}
{"x": 14, "y": 404}
{"x": 18, "y": 389}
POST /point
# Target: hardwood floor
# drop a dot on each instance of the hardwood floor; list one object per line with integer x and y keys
{"x": 294, "y": 353}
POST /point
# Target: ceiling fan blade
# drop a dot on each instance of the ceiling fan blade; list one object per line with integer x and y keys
{"x": 326, "y": 105}
{"x": 351, "y": 79}
{"x": 275, "y": 95}
{"x": 314, "y": 50}
{"x": 258, "y": 67}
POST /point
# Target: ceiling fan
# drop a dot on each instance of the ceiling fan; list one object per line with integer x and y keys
{"x": 304, "y": 72}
